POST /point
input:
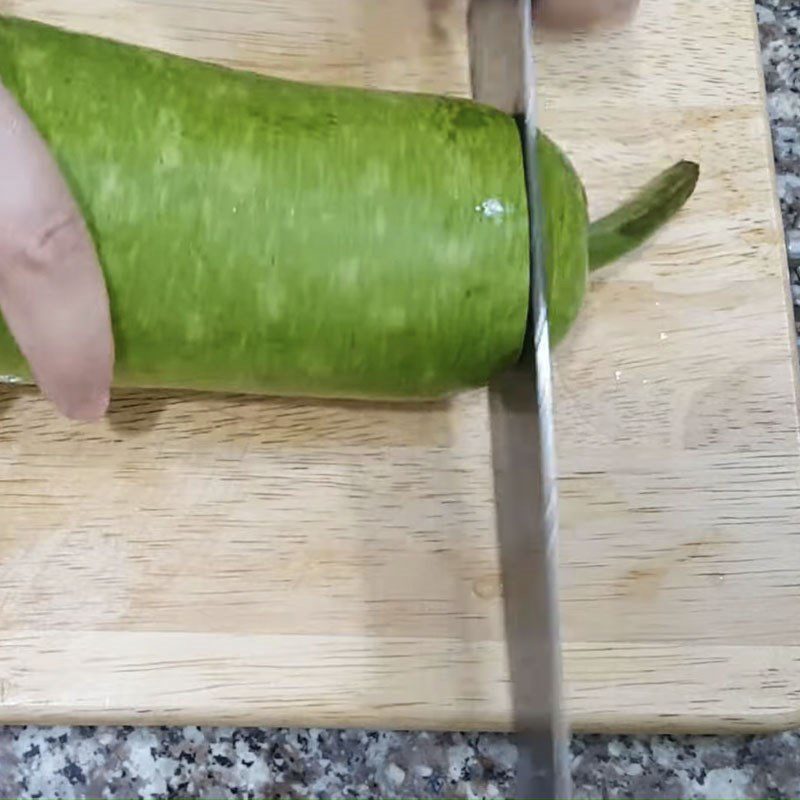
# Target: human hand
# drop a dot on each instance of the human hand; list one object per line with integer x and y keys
{"x": 578, "y": 14}
{"x": 52, "y": 291}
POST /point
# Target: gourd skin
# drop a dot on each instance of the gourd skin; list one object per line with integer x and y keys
{"x": 260, "y": 235}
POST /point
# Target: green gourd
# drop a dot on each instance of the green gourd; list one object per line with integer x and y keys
{"x": 261, "y": 235}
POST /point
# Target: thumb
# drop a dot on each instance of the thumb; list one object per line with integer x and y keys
{"x": 52, "y": 293}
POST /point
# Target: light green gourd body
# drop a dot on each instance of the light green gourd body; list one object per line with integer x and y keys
{"x": 266, "y": 236}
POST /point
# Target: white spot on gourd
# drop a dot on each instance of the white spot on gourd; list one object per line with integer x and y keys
{"x": 491, "y": 208}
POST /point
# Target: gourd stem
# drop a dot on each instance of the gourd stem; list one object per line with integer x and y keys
{"x": 633, "y": 222}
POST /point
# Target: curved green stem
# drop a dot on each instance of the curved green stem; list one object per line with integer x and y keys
{"x": 633, "y": 222}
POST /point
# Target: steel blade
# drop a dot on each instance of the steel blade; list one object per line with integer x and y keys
{"x": 521, "y": 413}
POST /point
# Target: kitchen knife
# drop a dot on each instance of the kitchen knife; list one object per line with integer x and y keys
{"x": 521, "y": 418}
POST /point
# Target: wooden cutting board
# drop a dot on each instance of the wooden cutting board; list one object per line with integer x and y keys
{"x": 228, "y": 560}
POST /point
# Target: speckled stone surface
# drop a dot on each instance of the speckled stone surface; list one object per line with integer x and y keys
{"x": 779, "y": 23}
{"x": 232, "y": 763}
{"x": 251, "y": 763}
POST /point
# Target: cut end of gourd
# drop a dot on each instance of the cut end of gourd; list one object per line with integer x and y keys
{"x": 637, "y": 220}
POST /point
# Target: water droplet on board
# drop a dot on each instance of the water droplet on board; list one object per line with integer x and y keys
{"x": 662, "y": 336}
{"x": 617, "y": 375}
{"x": 487, "y": 588}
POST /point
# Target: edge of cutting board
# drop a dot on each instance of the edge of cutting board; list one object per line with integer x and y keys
{"x": 73, "y": 668}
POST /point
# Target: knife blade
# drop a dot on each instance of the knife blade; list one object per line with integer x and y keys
{"x": 502, "y": 73}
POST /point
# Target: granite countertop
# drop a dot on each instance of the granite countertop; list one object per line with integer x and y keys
{"x": 237, "y": 763}
{"x": 254, "y": 763}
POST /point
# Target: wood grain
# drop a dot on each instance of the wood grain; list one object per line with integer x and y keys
{"x": 238, "y": 560}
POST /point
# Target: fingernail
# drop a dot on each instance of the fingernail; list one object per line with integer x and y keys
{"x": 89, "y": 408}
